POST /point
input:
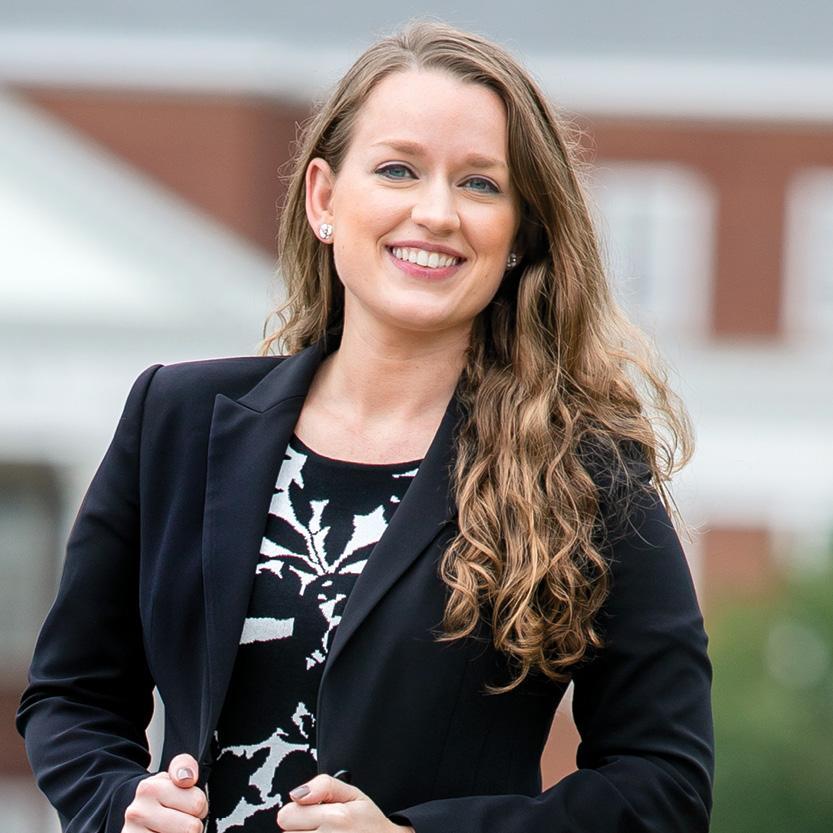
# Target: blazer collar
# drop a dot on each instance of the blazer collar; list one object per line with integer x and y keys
{"x": 247, "y": 441}
{"x": 290, "y": 379}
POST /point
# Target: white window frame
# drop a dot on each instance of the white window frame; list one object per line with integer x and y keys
{"x": 807, "y": 310}
{"x": 661, "y": 267}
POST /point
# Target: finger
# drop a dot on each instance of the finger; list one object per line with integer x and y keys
{"x": 159, "y": 790}
{"x": 184, "y": 770}
{"x": 325, "y": 789}
{"x": 292, "y": 817}
{"x": 191, "y": 801}
{"x": 165, "y": 820}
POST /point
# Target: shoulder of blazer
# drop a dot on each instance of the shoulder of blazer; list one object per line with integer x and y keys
{"x": 184, "y": 393}
{"x": 195, "y": 381}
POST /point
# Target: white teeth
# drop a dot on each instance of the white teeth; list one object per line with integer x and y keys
{"x": 433, "y": 260}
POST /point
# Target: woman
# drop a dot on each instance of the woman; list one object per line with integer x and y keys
{"x": 469, "y": 512}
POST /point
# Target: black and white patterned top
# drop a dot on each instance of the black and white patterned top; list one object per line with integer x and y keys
{"x": 324, "y": 519}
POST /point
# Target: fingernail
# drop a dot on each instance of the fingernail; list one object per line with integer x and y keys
{"x": 299, "y": 792}
{"x": 184, "y": 774}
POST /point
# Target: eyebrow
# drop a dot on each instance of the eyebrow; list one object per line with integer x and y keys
{"x": 476, "y": 160}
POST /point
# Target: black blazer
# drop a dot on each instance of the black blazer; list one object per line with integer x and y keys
{"x": 155, "y": 587}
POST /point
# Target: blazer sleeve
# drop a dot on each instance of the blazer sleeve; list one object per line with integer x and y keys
{"x": 642, "y": 707}
{"x": 89, "y": 700}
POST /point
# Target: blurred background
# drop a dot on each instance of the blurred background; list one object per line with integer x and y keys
{"x": 141, "y": 147}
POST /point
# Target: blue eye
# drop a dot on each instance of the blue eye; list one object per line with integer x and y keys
{"x": 490, "y": 186}
{"x": 390, "y": 171}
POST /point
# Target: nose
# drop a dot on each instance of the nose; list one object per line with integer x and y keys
{"x": 435, "y": 208}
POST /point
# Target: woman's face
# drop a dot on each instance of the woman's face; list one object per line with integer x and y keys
{"x": 423, "y": 209}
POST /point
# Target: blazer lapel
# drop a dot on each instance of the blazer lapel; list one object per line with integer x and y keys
{"x": 425, "y": 509}
{"x": 246, "y": 446}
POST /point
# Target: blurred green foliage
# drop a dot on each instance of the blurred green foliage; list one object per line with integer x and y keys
{"x": 773, "y": 709}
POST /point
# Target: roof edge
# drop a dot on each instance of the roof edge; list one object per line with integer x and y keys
{"x": 618, "y": 86}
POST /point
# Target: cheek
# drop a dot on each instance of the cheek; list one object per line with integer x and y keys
{"x": 366, "y": 210}
{"x": 381, "y": 213}
{"x": 492, "y": 232}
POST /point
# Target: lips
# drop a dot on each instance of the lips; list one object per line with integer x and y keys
{"x": 444, "y": 265}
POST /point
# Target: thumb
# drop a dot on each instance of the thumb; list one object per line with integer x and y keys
{"x": 324, "y": 789}
{"x": 184, "y": 771}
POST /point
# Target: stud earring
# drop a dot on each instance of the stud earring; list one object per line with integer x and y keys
{"x": 325, "y": 231}
{"x": 511, "y": 261}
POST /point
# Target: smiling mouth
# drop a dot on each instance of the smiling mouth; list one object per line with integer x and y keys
{"x": 421, "y": 257}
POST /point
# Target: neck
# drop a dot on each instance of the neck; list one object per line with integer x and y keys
{"x": 381, "y": 396}
{"x": 388, "y": 377}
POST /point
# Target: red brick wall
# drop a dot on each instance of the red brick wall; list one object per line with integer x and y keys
{"x": 220, "y": 153}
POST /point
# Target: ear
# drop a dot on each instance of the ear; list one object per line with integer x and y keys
{"x": 319, "y": 182}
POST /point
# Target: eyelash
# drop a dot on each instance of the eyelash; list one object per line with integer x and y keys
{"x": 492, "y": 186}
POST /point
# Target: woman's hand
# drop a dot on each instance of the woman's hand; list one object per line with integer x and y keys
{"x": 168, "y": 802}
{"x": 327, "y": 805}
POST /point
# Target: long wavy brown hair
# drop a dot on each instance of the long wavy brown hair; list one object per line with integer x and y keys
{"x": 567, "y": 410}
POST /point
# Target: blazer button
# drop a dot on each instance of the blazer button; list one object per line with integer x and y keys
{"x": 344, "y": 775}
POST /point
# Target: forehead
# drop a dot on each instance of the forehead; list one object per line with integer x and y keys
{"x": 435, "y": 109}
